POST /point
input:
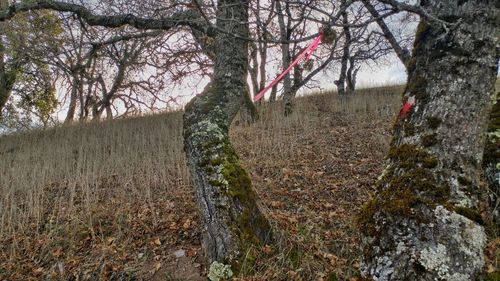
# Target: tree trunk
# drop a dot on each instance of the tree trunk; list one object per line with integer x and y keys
{"x": 352, "y": 73}
{"x": 248, "y": 110}
{"x": 232, "y": 221}
{"x": 491, "y": 165}
{"x": 289, "y": 97}
{"x": 70, "y": 115}
{"x": 345, "y": 57}
{"x": 274, "y": 91}
{"x": 4, "y": 92}
{"x": 423, "y": 223}
{"x": 285, "y": 57}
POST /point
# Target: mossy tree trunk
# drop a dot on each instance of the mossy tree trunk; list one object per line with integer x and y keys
{"x": 232, "y": 221}
{"x": 423, "y": 223}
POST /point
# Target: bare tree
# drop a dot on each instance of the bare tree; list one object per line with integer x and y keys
{"x": 424, "y": 223}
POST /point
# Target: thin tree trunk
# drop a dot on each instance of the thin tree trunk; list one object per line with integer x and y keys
{"x": 248, "y": 111}
{"x": 345, "y": 57}
{"x": 424, "y": 223}
{"x": 285, "y": 58}
{"x": 70, "y": 115}
{"x": 352, "y": 73}
{"x": 231, "y": 219}
{"x": 4, "y": 92}
{"x": 274, "y": 91}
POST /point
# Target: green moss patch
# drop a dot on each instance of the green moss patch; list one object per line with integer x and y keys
{"x": 409, "y": 182}
{"x": 470, "y": 214}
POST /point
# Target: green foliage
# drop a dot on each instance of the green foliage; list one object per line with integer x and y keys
{"x": 38, "y": 94}
{"x": 29, "y": 38}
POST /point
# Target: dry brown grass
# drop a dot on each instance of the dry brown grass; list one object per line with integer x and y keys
{"x": 113, "y": 200}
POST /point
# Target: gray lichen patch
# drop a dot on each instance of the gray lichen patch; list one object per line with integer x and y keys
{"x": 448, "y": 248}
{"x": 436, "y": 259}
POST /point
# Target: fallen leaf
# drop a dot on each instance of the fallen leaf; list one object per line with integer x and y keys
{"x": 157, "y": 242}
{"x": 187, "y": 224}
{"x": 276, "y": 204}
{"x": 157, "y": 266}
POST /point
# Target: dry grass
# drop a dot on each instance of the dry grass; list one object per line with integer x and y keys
{"x": 113, "y": 200}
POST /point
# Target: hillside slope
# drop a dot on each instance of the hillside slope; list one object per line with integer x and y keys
{"x": 113, "y": 200}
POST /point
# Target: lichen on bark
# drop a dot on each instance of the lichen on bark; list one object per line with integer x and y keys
{"x": 231, "y": 219}
{"x": 423, "y": 223}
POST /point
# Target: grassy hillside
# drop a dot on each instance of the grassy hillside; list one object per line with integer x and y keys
{"x": 113, "y": 200}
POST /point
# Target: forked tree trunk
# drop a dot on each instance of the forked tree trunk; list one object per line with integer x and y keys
{"x": 423, "y": 223}
{"x": 232, "y": 221}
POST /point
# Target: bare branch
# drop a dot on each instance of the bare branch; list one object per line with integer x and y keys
{"x": 402, "y": 53}
{"x": 183, "y": 18}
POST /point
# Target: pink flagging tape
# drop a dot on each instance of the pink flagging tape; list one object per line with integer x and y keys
{"x": 406, "y": 107}
{"x": 308, "y": 51}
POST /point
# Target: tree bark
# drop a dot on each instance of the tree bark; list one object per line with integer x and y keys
{"x": 345, "y": 57}
{"x": 274, "y": 91}
{"x": 423, "y": 223}
{"x": 285, "y": 57}
{"x": 352, "y": 73}
{"x": 231, "y": 219}
{"x": 70, "y": 115}
{"x": 248, "y": 111}
{"x": 491, "y": 165}
{"x": 4, "y": 92}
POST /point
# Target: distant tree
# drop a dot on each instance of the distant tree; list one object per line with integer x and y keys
{"x": 423, "y": 223}
{"x": 27, "y": 85}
